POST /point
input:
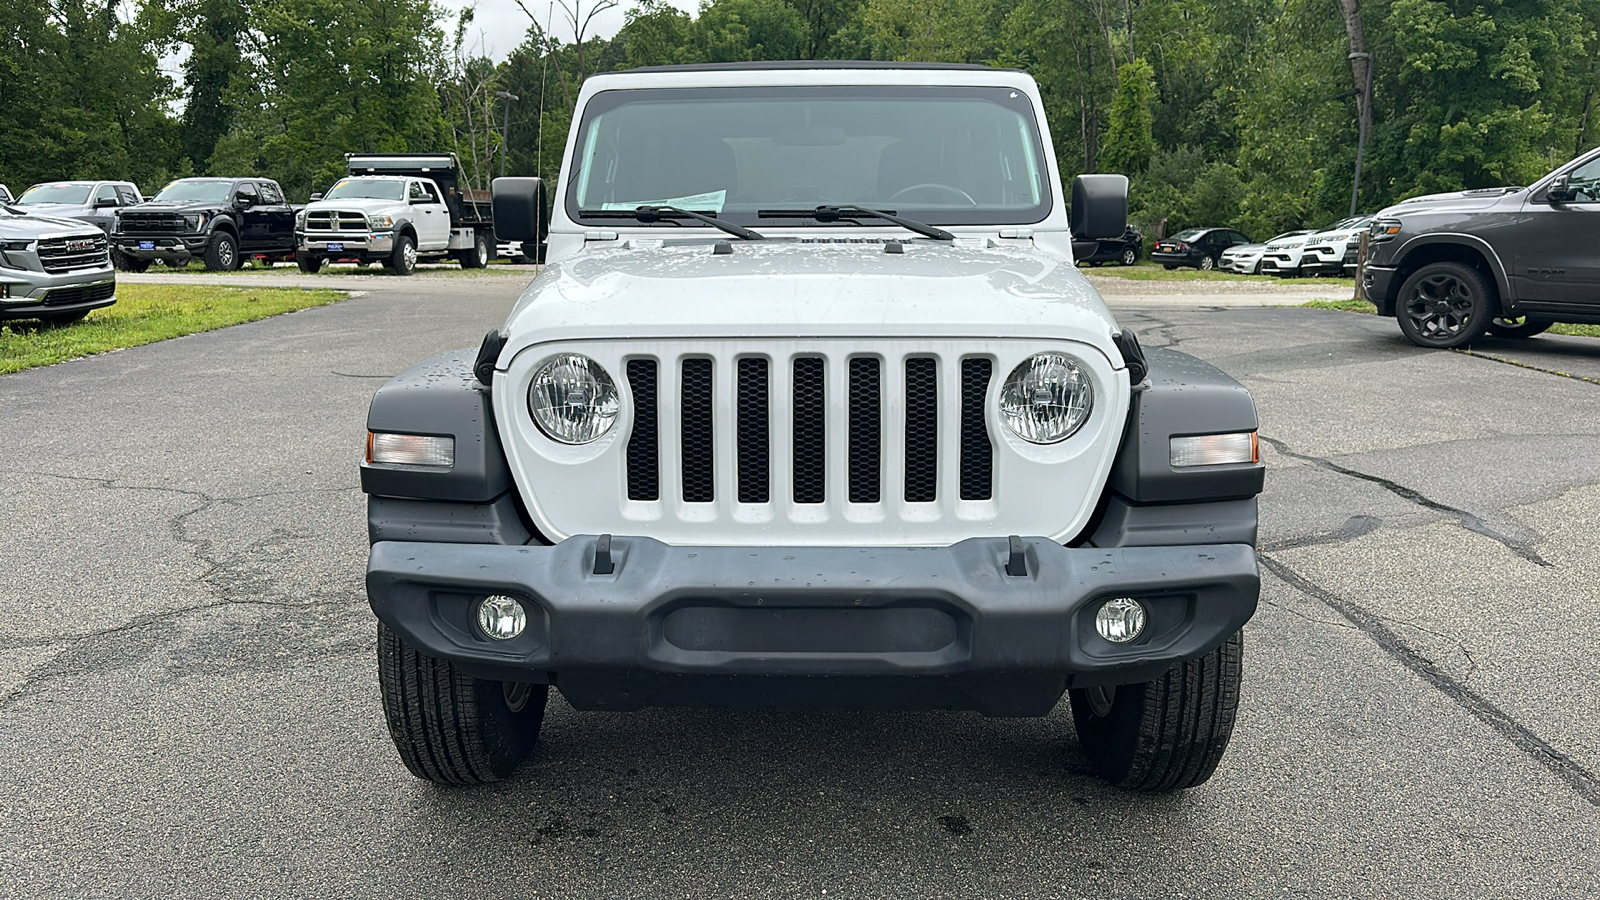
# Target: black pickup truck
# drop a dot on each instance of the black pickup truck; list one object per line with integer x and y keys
{"x": 1509, "y": 261}
{"x": 222, "y": 221}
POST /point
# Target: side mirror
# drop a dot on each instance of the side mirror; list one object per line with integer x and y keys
{"x": 243, "y": 200}
{"x": 1560, "y": 190}
{"x": 521, "y": 210}
{"x": 1099, "y": 207}
{"x": 315, "y": 197}
{"x": 105, "y": 202}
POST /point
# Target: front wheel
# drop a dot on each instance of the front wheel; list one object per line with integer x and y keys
{"x": 222, "y": 253}
{"x": 1444, "y": 305}
{"x": 1167, "y": 734}
{"x": 404, "y": 258}
{"x": 1129, "y": 256}
{"x": 1523, "y": 327}
{"x": 129, "y": 263}
{"x": 478, "y": 256}
{"x": 309, "y": 264}
{"x": 449, "y": 727}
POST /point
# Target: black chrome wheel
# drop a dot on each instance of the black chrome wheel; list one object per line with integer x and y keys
{"x": 1444, "y": 305}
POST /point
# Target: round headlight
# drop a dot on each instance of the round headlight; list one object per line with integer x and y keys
{"x": 572, "y": 399}
{"x": 1046, "y": 398}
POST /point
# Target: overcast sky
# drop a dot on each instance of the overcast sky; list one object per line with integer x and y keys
{"x": 499, "y": 26}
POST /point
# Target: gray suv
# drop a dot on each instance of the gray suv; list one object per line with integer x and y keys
{"x": 52, "y": 269}
{"x": 1508, "y": 261}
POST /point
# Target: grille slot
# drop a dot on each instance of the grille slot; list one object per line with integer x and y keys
{"x": 753, "y": 432}
{"x": 977, "y": 454}
{"x": 699, "y": 473}
{"x": 67, "y": 254}
{"x": 644, "y": 455}
{"x": 810, "y": 431}
{"x": 866, "y": 430}
{"x": 922, "y": 430}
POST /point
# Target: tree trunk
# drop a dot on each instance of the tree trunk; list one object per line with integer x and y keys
{"x": 1360, "y": 65}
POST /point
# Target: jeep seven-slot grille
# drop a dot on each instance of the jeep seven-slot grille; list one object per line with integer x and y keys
{"x": 329, "y": 220}
{"x": 859, "y": 418}
{"x": 67, "y": 254}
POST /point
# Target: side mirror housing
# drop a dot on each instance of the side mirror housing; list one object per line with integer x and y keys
{"x": 521, "y": 210}
{"x": 105, "y": 202}
{"x": 1560, "y": 190}
{"x": 316, "y": 197}
{"x": 1099, "y": 207}
{"x": 243, "y": 201}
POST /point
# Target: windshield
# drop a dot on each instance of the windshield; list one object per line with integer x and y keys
{"x": 1352, "y": 222}
{"x": 203, "y": 189}
{"x": 939, "y": 155}
{"x": 75, "y": 194}
{"x": 367, "y": 189}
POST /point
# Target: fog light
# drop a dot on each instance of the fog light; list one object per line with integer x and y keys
{"x": 501, "y": 617}
{"x": 1120, "y": 620}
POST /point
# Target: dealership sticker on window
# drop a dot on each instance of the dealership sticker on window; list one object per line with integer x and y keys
{"x": 712, "y": 200}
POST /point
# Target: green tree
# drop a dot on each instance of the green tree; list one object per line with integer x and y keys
{"x": 214, "y": 30}
{"x": 1129, "y": 144}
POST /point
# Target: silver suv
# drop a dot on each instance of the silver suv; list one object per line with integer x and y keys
{"x": 52, "y": 269}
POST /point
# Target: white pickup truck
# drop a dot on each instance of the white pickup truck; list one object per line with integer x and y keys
{"x": 396, "y": 209}
{"x": 811, "y": 409}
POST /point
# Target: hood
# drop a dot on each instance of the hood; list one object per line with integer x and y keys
{"x": 1481, "y": 198}
{"x": 791, "y": 289}
{"x": 360, "y": 203}
{"x": 58, "y": 209}
{"x": 1245, "y": 248}
{"x": 29, "y": 227}
{"x": 151, "y": 206}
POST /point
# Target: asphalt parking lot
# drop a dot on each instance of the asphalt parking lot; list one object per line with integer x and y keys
{"x": 188, "y": 703}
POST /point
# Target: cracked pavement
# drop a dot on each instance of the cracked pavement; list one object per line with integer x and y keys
{"x": 188, "y": 703}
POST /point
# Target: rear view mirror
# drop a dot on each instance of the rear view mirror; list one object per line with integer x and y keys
{"x": 520, "y": 210}
{"x": 1099, "y": 206}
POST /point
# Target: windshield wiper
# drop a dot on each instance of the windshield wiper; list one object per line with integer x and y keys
{"x": 849, "y": 211}
{"x": 667, "y": 213}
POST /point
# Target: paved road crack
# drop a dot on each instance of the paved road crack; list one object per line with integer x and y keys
{"x": 1582, "y": 782}
{"x": 1354, "y": 527}
{"x": 1522, "y": 365}
{"x": 1466, "y": 519}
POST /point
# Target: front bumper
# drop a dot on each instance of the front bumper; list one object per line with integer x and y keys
{"x": 373, "y": 244}
{"x": 26, "y": 294}
{"x": 164, "y": 247}
{"x": 813, "y": 627}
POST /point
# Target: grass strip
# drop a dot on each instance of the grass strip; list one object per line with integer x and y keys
{"x": 1365, "y": 306}
{"x": 144, "y": 314}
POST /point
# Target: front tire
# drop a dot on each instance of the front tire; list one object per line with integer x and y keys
{"x": 222, "y": 253}
{"x": 478, "y": 256}
{"x": 130, "y": 264}
{"x": 309, "y": 264}
{"x": 449, "y": 727}
{"x": 1167, "y": 734}
{"x": 404, "y": 258}
{"x": 1517, "y": 328}
{"x": 1444, "y": 305}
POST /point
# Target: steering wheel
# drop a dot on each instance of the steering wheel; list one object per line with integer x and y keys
{"x": 936, "y": 186}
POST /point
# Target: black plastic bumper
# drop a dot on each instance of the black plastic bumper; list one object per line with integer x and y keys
{"x": 1378, "y": 284}
{"x": 812, "y": 627}
{"x": 166, "y": 247}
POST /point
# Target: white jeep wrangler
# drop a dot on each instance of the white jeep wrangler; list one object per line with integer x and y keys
{"x": 812, "y": 410}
